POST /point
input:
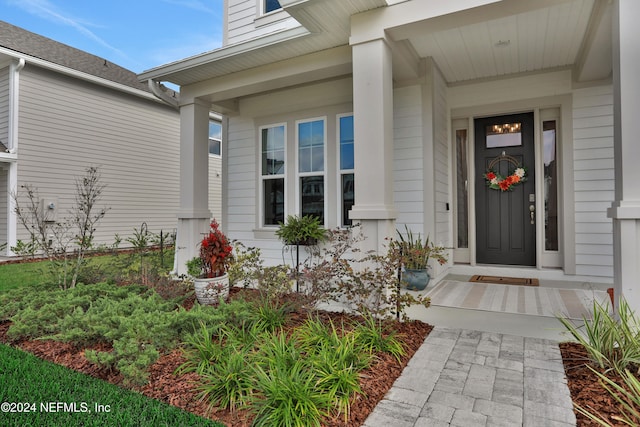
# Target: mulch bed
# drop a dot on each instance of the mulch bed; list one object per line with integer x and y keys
{"x": 586, "y": 391}
{"x": 179, "y": 391}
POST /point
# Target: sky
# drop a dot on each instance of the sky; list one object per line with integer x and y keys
{"x": 135, "y": 34}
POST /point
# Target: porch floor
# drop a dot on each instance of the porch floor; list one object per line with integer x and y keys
{"x": 525, "y": 325}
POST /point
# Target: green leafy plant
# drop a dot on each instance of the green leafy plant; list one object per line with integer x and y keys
{"x": 201, "y": 349}
{"x": 338, "y": 370}
{"x": 228, "y": 383}
{"x": 305, "y": 230}
{"x": 246, "y": 266}
{"x": 287, "y": 396}
{"x": 416, "y": 253}
{"x": 611, "y": 343}
{"x": 375, "y": 337}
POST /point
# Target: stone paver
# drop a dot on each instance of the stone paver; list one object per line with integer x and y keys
{"x": 468, "y": 378}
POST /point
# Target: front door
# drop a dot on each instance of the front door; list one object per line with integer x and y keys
{"x": 505, "y": 190}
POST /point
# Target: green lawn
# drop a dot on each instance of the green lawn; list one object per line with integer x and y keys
{"x": 24, "y": 274}
{"x": 56, "y": 396}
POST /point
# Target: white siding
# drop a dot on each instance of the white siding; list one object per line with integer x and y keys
{"x": 244, "y": 23}
{"x": 408, "y": 158}
{"x": 441, "y": 154}
{"x": 241, "y": 179}
{"x": 215, "y": 187}
{"x": 594, "y": 180}
{"x": 4, "y": 202}
{"x": 67, "y": 125}
{"x": 4, "y": 105}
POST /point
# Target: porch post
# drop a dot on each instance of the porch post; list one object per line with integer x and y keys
{"x": 625, "y": 210}
{"x": 373, "y": 142}
{"x": 194, "y": 214}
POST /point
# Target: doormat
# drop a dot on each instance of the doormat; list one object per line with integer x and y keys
{"x": 501, "y": 280}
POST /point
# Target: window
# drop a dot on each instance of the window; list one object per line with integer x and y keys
{"x": 271, "y": 5}
{"x": 310, "y": 136}
{"x": 215, "y": 138}
{"x": 549, "y": 134}
{"x": 462, "y": 186}
{"x": 272, "y": 143}
{"x": 347, "y": 182}
{"x": 506, "y": 135}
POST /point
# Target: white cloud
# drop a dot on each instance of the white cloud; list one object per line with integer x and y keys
{"x": 192, "y": 4}
{"x": 47, "y": 10}
{"x": 197, "y": 44}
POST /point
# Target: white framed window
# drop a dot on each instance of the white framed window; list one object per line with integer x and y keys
{"x": 311, "y": 154}
{"x": 215, "y": 138}
{"x": 346, "y": 179}
{"x": 272, "y": 173}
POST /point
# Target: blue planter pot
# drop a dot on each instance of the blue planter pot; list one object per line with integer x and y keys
{"x": 415, "y": 280}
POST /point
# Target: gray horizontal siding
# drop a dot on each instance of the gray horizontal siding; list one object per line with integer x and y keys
{"x": 408, "y": 183}
{"x": 67, "y": 125}
{"x": 594, "y": 180}
{"x": 4, "y": 105}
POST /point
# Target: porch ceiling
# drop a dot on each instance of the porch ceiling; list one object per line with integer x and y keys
{"x": 511, "y": 37}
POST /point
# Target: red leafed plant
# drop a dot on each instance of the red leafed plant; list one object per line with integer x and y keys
{"x": 215, "y": 252}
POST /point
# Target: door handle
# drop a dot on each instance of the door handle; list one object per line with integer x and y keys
{"x": 532, "y": 212}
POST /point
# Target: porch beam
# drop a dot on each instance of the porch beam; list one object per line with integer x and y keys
{"x": 322, "y": 65}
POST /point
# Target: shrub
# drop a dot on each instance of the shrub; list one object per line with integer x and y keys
{"x": 56, "y": 239}
{"x": 136, "y": 321}
{"x": 246, "y": 265}
{"x": 228, "y": 383}
{"x": 610, "y": 343}
{"x": 368, "y": 283}
{"x": 375, "y": 337}
{"x": 288, "y": 396}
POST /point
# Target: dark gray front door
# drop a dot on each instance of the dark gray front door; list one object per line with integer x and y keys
{"x": 505, "y": 228}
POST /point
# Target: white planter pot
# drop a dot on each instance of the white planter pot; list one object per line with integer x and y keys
{"x": 210, "y": 290}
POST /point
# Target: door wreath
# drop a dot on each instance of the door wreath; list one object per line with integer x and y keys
{"x": 495, "y": 181}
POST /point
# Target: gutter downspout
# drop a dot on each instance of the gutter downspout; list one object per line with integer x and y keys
{"x": 12, "y": 145}
{"x": 160, "y": 91}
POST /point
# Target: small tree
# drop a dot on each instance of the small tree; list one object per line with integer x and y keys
{"x": 55, "y": 239}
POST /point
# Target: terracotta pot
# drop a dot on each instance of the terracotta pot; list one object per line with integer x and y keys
{"x": 210, "y": 290}
{"x": 415, "y": 280}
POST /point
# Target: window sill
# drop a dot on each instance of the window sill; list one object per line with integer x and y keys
{"x": 270, "y": 18}
{"x": 265, "y": 233}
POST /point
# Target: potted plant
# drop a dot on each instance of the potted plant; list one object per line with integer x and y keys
{"x": 415, "y": 256}
{"x": 301, "y": 231}
{"x": 209, "y": 269}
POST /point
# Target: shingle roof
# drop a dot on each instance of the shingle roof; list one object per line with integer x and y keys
{"x": 32, "y": 44}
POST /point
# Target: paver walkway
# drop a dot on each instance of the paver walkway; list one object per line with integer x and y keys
{"x": 468, "y": 378}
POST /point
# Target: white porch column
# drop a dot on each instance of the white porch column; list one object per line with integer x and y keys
{"x": 373, "y": 142}
{"x": 625, "y": 210}
{"x": 194, "y": 214}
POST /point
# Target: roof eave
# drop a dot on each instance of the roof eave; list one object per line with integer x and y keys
{"x": 78, "y": 74}
{"x": 164, "y": 72}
